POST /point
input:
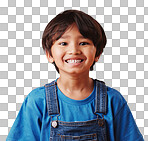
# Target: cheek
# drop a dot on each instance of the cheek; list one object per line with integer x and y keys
{"x": 92, "y": 52}
{"x": 57, "y": 53}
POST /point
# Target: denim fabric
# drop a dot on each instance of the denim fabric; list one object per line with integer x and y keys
{"x": 51, "y": 98}
{"x": 78, "y": 131}
{"x": 33, "y": 122}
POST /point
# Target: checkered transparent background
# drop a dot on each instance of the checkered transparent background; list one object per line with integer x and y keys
{"x": 23, "y": 64}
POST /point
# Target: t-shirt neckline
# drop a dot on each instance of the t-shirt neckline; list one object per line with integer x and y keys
{"x": 66, "y": 99}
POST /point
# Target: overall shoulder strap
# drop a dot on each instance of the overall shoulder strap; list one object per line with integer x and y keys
{"x": 101, "y": 97}
{"x": 51, "y": 98}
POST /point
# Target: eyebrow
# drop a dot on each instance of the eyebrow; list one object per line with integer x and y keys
{"x": 67, "y": 36}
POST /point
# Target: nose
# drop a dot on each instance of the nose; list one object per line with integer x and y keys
{"x": 74, "y": 49}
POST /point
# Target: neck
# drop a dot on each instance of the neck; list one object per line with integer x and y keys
{"x": 76, "y": 87}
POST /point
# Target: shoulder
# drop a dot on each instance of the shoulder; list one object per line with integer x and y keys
{"x": 37, "y": 93}
{"x": 36, "y": 98}
{"x": 112, "y": 93}
{"x": 115, "y": 95}
{"x": 116, "y": 101}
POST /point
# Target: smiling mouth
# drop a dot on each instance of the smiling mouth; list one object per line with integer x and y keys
{"x": 74, "y": 61}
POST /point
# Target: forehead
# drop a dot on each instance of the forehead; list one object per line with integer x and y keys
{"x": 72, "y": 31}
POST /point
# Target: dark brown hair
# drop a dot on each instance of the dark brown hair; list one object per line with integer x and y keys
{"x": 88, "y": 27}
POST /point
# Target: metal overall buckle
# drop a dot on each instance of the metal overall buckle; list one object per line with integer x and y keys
{"x": 54, "y": 123}
{"x": 101, "y": 121}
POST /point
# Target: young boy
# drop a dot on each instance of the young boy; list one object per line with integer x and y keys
{"x": 74, "y": 106}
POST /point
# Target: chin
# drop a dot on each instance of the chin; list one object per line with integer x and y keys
{"x": 78, "y": 72}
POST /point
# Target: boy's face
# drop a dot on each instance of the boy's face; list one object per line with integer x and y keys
{"x": 72, "y": 53}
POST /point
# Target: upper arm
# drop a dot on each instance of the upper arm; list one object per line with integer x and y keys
{"x": 28, "y": 122}
{"x": 125, "y": 128}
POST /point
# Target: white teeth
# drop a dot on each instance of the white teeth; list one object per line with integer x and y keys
{"x": 73, "y": 61}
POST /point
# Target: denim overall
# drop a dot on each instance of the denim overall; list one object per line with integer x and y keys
{"x": 92, "y": 130}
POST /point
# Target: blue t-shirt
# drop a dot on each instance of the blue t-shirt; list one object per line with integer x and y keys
{"x": 33, "y": 122}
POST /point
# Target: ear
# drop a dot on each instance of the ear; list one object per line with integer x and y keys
{"x": 49, "y": 57}
{"x": 97, "y": 58}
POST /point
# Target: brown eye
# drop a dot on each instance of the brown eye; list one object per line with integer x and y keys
{"x": 63, "y": 44}
{"x": 84, "y": 43}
